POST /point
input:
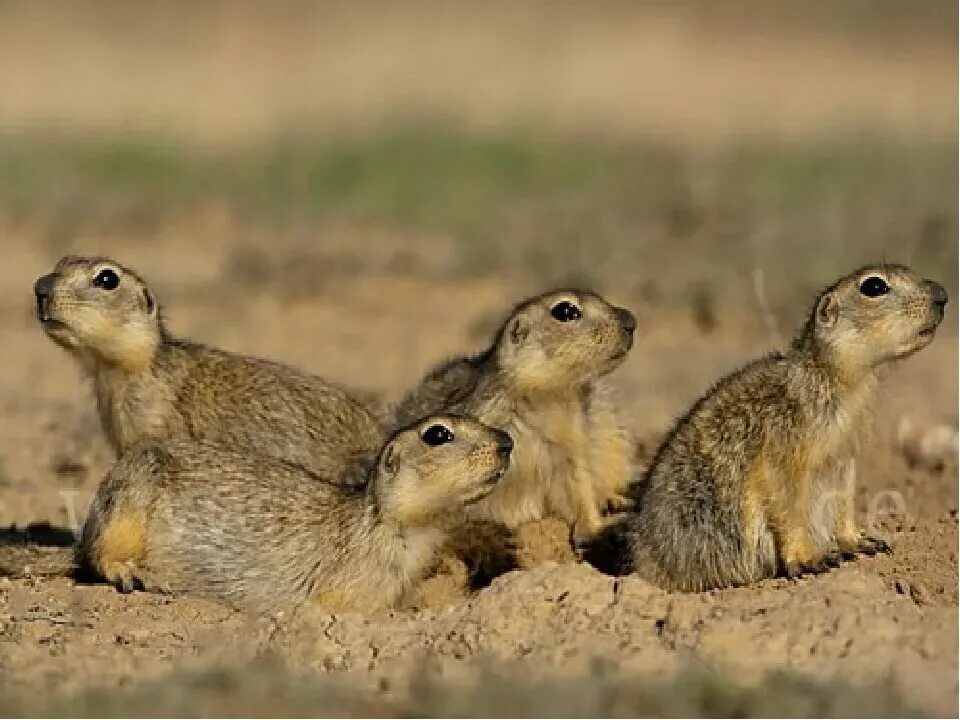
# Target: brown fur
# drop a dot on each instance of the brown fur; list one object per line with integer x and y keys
{"x": 152, "y": 386}
{"x": 754, "y": 479}
{"x": 265, "y": 535}
{"x": 541, "y": 381}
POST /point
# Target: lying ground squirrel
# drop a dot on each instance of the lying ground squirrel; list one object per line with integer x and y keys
{"x": 752, "y": 480}
{"x": 151, "y": 386}
{"x": 541, "y": 381}
{"x": 265, "y": 535}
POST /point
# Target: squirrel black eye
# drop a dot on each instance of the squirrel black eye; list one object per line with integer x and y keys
{"x": 106, "y": 279}
{"x": 565, "y": 311}
{"x": 874, "y": 286}
{"x": 437, "y": 435}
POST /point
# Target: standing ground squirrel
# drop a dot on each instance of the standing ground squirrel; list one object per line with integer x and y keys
{"x": 754, "y": 480}
{"x": 151, "y": 386}
{"x": 265, "y": 535}
{"x": 540, "y": 380}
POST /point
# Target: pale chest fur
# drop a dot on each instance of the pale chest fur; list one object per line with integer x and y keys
{"x": 133, "y": 408}
{"x": 568, "y": 454}
{"x": 837, "y": 434}
{"x": 384, "y": 563}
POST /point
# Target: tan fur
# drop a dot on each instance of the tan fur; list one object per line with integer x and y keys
{"x": 756, "y": 477}
{"x": 123, "y": 540}
{"x": 542, "y": 381}
{"x": 571, "y": 464}
{"x": 119, "y": 548}
{"x": 265, "y": 535}
{"x": 754, "y": 513}
{"x": 151, "y": 386}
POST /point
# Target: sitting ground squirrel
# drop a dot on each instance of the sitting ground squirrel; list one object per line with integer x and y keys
{"x": 748, "y": 482}
{"x": 265, "y": 535}
{"x": 541, "y": 380}
{"x": 152, "y": 386}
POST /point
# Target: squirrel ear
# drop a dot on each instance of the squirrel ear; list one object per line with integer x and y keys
{"x": 149, "y": 301}
{"x": 828, "y": 310}
{"x": 389, "y": 461}
{"x": 517, "y": 331}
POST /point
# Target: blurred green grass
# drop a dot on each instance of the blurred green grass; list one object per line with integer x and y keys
{"x": 426, "y": 178}
{"x": 559, "y": 208}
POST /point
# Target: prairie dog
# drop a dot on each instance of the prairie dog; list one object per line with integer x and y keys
{"x": 266, "y": 536}
{"x": 752, "y": 481}
{"x": 542, "y": 380}
{"x": 150, "y": 385}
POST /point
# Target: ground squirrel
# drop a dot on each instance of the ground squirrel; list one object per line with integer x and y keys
{"x": 752, "y": 480}
{"x": 151, "y": 386}
{"x": 265, "y": 535}
{"x": 541, "y": 381}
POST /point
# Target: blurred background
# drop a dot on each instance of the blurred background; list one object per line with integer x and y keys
{"x": 363, "y": 188}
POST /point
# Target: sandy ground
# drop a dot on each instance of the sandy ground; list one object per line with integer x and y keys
{"x": 889, "y": 620}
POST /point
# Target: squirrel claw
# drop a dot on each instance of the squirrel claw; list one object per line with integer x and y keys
{"x": 619, "y": 503}
{"x": 128, "y": 585}
{"x": 871, "y": 545}
{"x": 793, "y": 570}
{"x": 864, "y": 545}
{"x": 796, "y": 570}
{"x": 833, "y": 559}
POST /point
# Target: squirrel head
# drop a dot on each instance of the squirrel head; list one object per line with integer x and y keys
{"x": 99, "y": 311}
{"x": 562, "y": 340}
{"x": 874, "y": 315}
{"x": 437, "y": 465}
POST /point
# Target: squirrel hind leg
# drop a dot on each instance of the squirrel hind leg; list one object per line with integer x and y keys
{"x": 116, "y": 552}
{"x": 123, "y": 576}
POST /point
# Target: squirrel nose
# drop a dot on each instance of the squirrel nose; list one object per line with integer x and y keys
{"x": 504, "y": 444}
{"x": 627, "y": 319}
{"x": 938, "y": 293}
{"x": 43, "y": 287}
